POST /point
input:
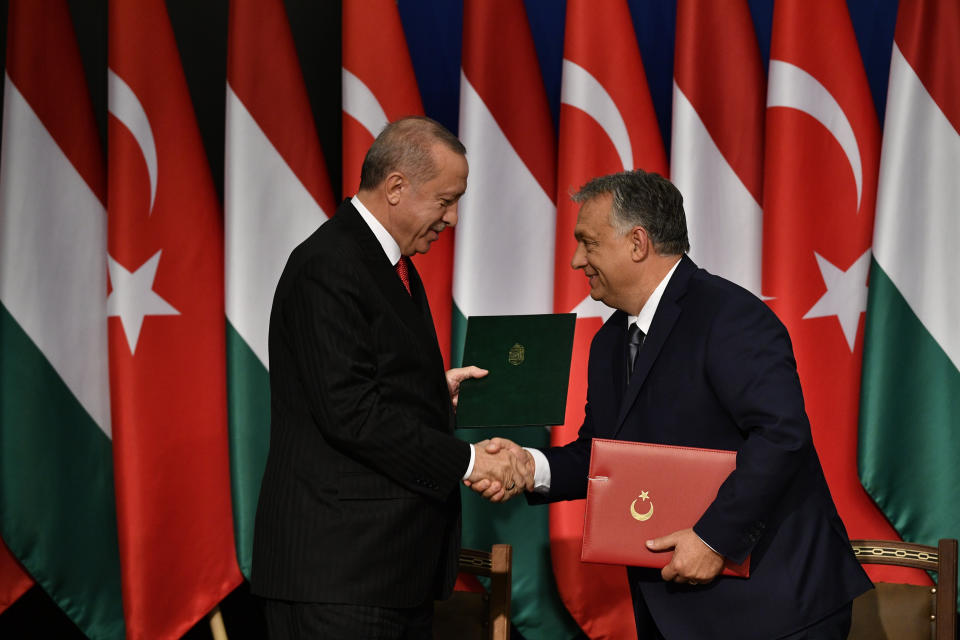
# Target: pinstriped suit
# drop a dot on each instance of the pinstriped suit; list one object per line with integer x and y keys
{"x": 360, "y": 501}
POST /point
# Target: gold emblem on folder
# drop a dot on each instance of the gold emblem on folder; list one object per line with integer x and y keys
{"x": 516, "y": 354}
{"x": 633, "y": 508}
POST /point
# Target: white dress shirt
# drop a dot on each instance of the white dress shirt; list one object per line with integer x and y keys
{"x": 541, "y": 476}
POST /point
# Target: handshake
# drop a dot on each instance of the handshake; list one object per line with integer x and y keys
{"x": 502, "y": 469}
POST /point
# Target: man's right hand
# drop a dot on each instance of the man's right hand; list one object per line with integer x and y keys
{"x": 506, "y": 471}
{"x": 502, "y": 469}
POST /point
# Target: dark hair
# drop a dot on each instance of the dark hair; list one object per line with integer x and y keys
{"x": 405, "y": 146}
{"x": 646, "y": 200}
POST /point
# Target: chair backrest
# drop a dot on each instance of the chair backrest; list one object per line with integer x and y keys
{"x": 467, "y": 615}
{"x": 902, "y": 611}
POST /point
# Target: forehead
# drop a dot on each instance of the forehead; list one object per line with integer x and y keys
{"x": 452, "y": 168}
{"x": 594, "y": 215}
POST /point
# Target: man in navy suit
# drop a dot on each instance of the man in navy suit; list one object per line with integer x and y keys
{"x": 712, "y": 367}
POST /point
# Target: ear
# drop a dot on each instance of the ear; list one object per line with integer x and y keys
{"x": 640, "y": 244}
{"x": 393, "y": 187}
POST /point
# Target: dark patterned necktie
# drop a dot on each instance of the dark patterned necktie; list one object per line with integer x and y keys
{"x": 404, "y": 273}
{"x": 634, "y": 339}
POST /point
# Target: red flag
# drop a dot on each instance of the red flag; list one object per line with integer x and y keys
{"x": 822, "y": 157}
{"x": 167, "y": 369}
{"x": 607, "y": 124}
{"x": 378, "y": 87}
{"x": 14, "y": 581}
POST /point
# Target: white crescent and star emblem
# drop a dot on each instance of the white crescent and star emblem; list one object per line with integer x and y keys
{"x": 633, "y": 507}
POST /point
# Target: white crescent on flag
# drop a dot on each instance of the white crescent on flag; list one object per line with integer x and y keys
{"x": 791, "y": 86}
{"x": 362, "y": 105}
{"x": 126, "y": 107}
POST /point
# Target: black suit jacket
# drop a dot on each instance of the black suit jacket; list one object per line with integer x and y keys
{"x": 717, "y": 370}
{"x": 360, "y": 501}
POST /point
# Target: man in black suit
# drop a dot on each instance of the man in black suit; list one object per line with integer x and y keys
{"x": 358, "y": 523}
{"x": 712, "y": 367}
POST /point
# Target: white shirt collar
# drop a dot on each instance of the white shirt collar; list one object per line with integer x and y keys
{"x": 389, "y": 245}
{"x": 645, "y": 317}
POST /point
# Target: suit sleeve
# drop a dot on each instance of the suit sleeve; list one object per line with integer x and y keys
{"x": 330, "y": 320}
{"x": 570, "y": 464}
{"x": 751, "y": 367}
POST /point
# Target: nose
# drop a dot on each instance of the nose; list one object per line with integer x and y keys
{"x": 450, "y": 215}
{"x": 579, "y": 260}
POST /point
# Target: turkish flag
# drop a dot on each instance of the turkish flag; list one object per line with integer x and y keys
{"x": 379, "y": 87}
{"x": 601, "y": 66}
{"x": 167, "y": 360}
{"x": 821, "y": 160}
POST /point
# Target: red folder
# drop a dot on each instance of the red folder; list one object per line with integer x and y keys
{"x": 639, "y": 491}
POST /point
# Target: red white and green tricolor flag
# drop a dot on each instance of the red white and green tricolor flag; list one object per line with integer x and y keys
{"x": 276, "y": 192}
{"x": 503, "y": 260}
{"x": 57, "y": 511}
{"x": 910, "y": 396}
{"x": 166, "y": 336}
{"x": 607, "y": 124}
{"x": 716, "y": 155}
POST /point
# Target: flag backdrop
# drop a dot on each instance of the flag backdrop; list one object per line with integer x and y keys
{"x": 910, "y": 407}
{"x": 495, "y": 73}
{"x": 57, "y": 511}
{"x": 717, "y": 141}
{"x": 166, "y": 334}
{"x": 276, "y": 193}
{"x": 820, "y": 170}
{"x": 503, "y": 259}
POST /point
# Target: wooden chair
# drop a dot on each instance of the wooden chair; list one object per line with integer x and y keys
{"x": 475, "y": 616}
{"x": 905, "y": 611}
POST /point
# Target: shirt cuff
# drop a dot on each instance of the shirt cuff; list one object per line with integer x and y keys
{"x": 541, "y": 473}
{"x": 473, "y": 458}
{"x": 708, "y": 544}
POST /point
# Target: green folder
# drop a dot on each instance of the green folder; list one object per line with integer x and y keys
{"x": 529, "y": 362}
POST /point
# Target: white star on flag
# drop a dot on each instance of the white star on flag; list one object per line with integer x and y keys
{"x": 133, "y": 297}
{"x": 846, "y": 295}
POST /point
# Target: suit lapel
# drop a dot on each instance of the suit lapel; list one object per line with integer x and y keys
{"x": 663, "y": 320}
{"x": 384, "y": 274}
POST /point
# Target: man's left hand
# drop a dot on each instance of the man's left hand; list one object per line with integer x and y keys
{"x": 456, "y": 376}
{"x": 693, "y": 561}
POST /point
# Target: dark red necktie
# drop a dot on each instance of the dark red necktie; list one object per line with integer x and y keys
{"x": 403, "y": 273}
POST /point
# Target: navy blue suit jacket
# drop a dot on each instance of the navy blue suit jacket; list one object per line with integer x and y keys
{"x": 717, "y": 370}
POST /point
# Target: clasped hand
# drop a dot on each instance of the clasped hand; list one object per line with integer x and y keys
{"x": 502, "y": 469}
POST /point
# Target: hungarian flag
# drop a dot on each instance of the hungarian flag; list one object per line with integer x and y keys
{"x": 379, "y": 87}
{"x": 822, "y": 157}
{"x": 716, "y": 157}
{"x": 166, "y": 336}
{"x": 276, "y": 193}
{"x": 607, "y": 124}
{"x": 57, "y": 511}
{"x": 503, "y": 262}
{"x": 910, "y": 400}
